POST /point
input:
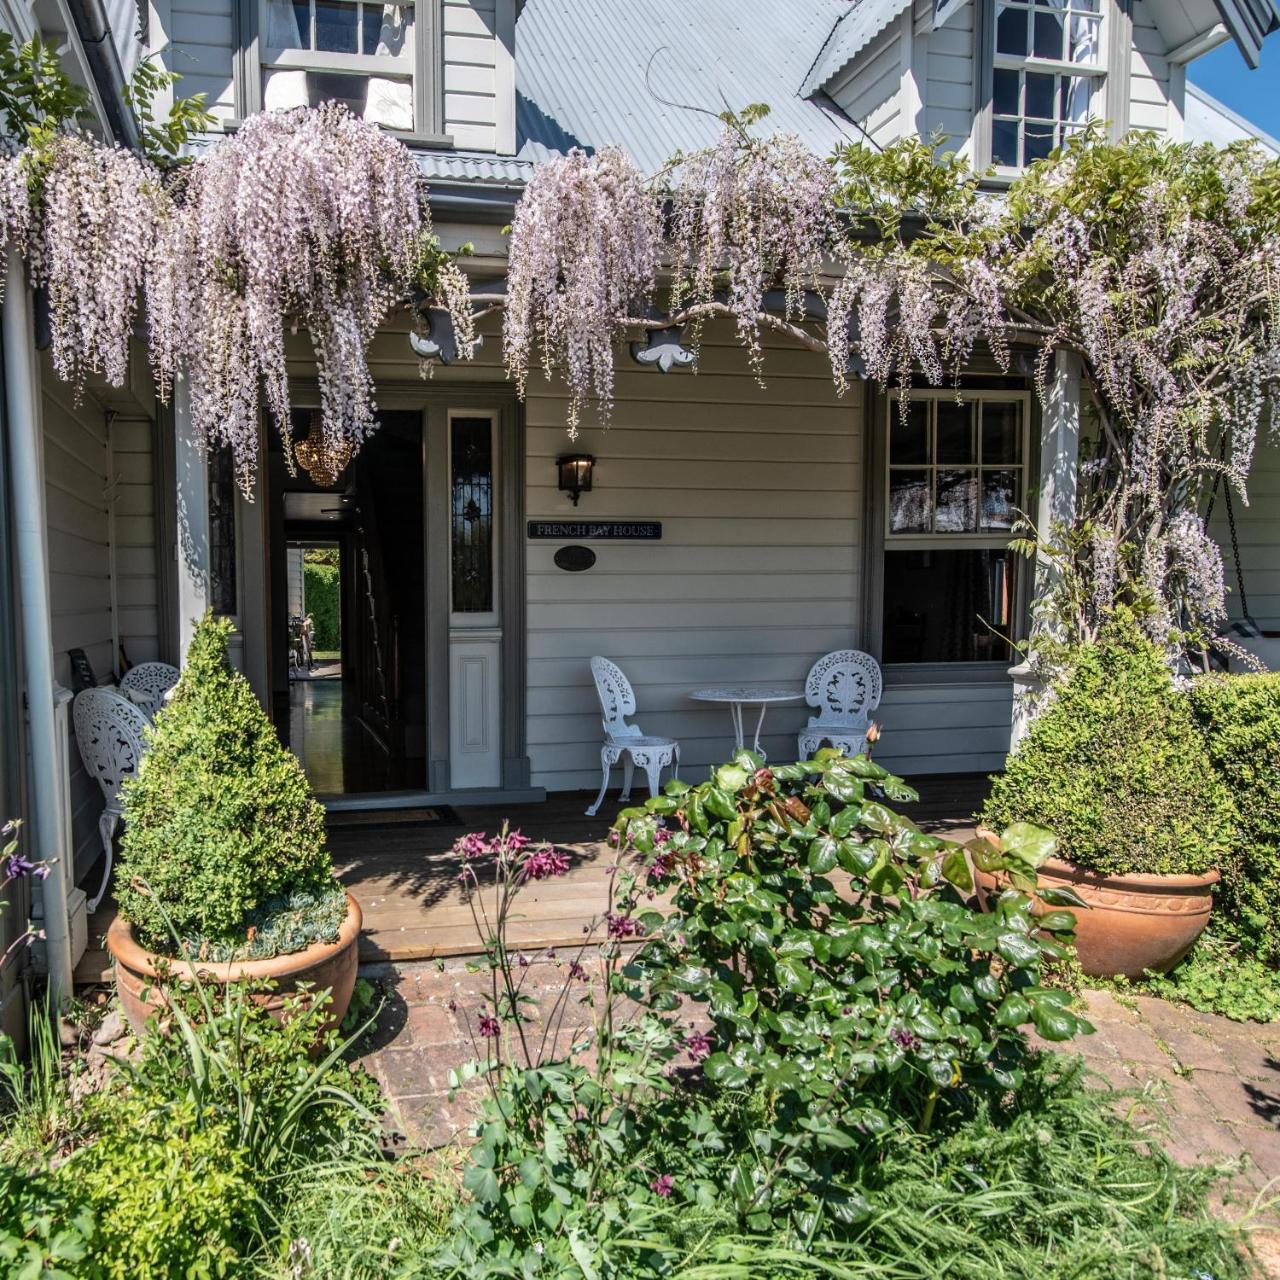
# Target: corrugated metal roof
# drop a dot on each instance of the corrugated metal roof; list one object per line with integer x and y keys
{"x": 652, "y": 75}
{"x": 852, "y": 34}
{"x": 473, "y": 166}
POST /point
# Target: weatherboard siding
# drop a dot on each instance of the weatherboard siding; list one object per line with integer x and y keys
{"x": 870, "y": 90}
{"x": 947, "y": 92}
{"x": 1151, "y": 95}
{"x": 201, "y": 41}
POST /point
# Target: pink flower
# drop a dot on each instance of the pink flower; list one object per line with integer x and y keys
{"x": 661, "y": 866}
{"x": 515, "y": 841}
{"x": 698, "y": 1044}
{"x": 661, "y": 835}
{"x": 543, "y": 863}
{"x": 488, "y": 1026}
{"x": 577, "y": 971}
{"x": 473, "y": 845}
{"x": 905, "y": 1039}
{"x": 623, "y": 926}
{"x": 662, "y": 1185}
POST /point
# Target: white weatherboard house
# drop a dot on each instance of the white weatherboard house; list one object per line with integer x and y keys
{"x": 731, "y": 533}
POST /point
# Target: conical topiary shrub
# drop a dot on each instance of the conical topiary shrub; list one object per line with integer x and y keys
{"x": 1116, "y": 767}
{"x": 220, "y": 822}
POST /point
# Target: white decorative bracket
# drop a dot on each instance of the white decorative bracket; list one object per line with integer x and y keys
{"x": 663, "y": 350}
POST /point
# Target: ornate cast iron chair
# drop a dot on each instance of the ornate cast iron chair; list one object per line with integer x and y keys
{"x": 147, "y": 684}
{"x": 110, "y": 734}
{"x": 627, "y": 742}
{"x": 845, "y": 686}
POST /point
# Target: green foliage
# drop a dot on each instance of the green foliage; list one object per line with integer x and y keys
{"x": 1240, "y": 718}
{"x": 1115, "y": 766}
{"x": 46, "y": 1229}
{"x": 321, "y": 591}
{"x": 282, "y": 925}
{"x": 170, "y": 1190}
{"x": 162, "y": 140}
{"x": 220, "y": 818}
{"x": 37, "y": 1115}
{"x": 37, "y": 97}
{"x": 1222, "y": 975}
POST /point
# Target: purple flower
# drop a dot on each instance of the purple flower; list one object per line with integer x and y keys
{"x": 522, "y": 960}
{"x": 16, "y": 866}
{"x": 515, "y": 841}
{"x": 904, "y": 1039}
{"x": 473, "y": 845}
{"x": 577, "y": 971}
{"x": 661, "y": 866}
{"x": 662, "y": 1185}
{"x": 661, "y": 835}
{"x": 452, "y": 1006}
{"x": 546, "y": 862}
{"x": 614, "y": 837}
{"x": 488, "y": 1026}
{"x": 622, "y": 926}
{"x": 698, "y": 1044}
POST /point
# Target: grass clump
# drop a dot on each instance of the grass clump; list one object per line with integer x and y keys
{"x": 220, "y": 819}
{"x": 1115, "y": 767}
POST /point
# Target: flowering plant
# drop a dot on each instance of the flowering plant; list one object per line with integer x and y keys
{"x": 13, "y": 867}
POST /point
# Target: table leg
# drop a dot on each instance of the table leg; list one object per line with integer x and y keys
{"x": 735, "y": 712}
{"x": 760, "y": 725}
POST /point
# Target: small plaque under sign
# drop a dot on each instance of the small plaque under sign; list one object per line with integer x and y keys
{"x": 574, "y": 559}
{"x": 597, "y": 530}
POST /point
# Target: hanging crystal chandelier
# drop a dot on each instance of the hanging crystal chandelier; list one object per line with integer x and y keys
{"x": 323, "y": 460}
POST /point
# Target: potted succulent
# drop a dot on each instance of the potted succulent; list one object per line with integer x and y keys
{"x": 1115, "y": 766}
{"x": 223, "y": 868}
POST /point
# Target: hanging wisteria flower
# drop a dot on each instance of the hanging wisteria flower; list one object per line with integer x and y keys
{"x": 585, "y": 243}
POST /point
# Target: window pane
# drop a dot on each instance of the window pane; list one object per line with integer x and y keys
{"x": 1001, "y": 431}
{"x": 941, "y": 606}
{"x": 1004, "y": 142}
{"x": 351, "y": 91}
{"x": 1004, "y": 92}
{"x": 471, "y": 462}
{"x": 299, "y": 36}
{"x": 1047, "y": 35}
{"x": 999, "y": 498}
{"x": 957, "y": 502}
{"x": 1011, "y": 32}
{"x": 955, "y": 432}
{"x": 388, "y": 30}
{"x": 909, "y": 502}
{"x": 336, "y": 26}
{"x": 1084, "y": 40}
{"x": 1038, "y": 143}
{"x": 1039, "y": 95}
{"x": 909, "y": 440}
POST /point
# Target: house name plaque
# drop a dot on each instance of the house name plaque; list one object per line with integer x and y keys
{"x": 596, "y": 530}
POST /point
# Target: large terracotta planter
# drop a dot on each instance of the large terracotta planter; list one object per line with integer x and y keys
{"x": 1134, "y": 923}
{"x": 323, "y": 964}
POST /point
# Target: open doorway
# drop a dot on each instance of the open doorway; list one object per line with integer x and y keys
{"x": 348, "y": 582}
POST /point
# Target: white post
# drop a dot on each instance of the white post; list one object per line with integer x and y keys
{"x": 26, "y": 460}
{"x": 191, "y": 472}
{"x": 1059, "y": 455}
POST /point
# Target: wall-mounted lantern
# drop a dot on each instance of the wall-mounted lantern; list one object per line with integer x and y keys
{"x": 575, "y": 474}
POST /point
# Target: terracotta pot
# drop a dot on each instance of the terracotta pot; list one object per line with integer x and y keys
{"x": 323, "y": 964}
{"x": 1134, "y": 923}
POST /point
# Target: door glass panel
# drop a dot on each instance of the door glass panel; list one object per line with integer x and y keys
{"x": 471, "y": 465}
{"x": 909, "y": 502}
{"x": 957, "y": 504}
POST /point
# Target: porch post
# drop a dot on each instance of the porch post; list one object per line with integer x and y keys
{"x": 191, "y": 475}
{"x": 26, "y": 462}
{"x": 1059, "y": 454}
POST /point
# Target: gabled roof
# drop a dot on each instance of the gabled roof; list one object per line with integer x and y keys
{"x": 651, "y": 75}
{"x": 1208, "y": 120}
{"x": 1250, "y": 22}
{"x": 855, "y": 30}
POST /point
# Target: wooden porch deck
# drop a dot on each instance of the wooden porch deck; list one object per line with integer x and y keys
{"x": 405, "y": 875}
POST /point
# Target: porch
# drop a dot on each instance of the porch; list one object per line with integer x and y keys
{"x": 399, "y": 865}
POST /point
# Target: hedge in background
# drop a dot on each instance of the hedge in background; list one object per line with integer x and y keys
{"x": 1240, "y": 719}
{"x": 220, "y": 817}
{"x": 1115, "y": 767}
{"x": 323, "y": 602}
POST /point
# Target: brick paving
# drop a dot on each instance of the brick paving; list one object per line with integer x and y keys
{"x": 1211, "y": 1084}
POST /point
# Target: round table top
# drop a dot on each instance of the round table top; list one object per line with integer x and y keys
{"x": 750, "y": 693}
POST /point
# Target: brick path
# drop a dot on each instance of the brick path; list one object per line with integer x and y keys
{"x": 1216, "y": 1083}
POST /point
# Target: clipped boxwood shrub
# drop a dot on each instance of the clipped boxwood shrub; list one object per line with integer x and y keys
{"x": 1240, "y": 718}
{"x": 220, "y": 817}
{"x": 1115, "y": 766}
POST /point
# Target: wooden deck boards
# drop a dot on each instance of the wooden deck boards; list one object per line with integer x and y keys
{"x": 406, "y": 879}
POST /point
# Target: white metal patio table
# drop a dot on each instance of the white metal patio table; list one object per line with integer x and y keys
{"x": 747, "y": 695}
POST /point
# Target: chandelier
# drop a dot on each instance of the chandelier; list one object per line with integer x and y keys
{"x": 322, "y": 459}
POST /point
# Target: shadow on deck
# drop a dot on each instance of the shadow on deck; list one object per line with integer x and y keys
{"x": 405, "y": 875}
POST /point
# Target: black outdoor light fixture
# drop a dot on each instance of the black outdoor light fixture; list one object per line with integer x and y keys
{"x": 575, "y": 474}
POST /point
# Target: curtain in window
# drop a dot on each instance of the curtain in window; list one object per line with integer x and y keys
{"x": 391, "y": 35}
{"x": 284, "y": 31}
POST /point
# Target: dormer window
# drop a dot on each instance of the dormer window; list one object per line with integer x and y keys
{"x": 1047, "y": 76}
{"x": 363, "y": 54}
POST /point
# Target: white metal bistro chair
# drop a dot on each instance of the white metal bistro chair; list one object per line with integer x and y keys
{"x": 845, "y": 686}
{"x": 627, "y": 742}
{"x": 147, "y": 685}
{"x": 110, "y": 732}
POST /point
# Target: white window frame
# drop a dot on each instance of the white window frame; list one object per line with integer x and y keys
{"x": 1095, "y": 72}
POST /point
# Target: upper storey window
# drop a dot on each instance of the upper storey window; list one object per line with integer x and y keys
{"x": 352, "y": 51}
{"x": 1047, "y": 76}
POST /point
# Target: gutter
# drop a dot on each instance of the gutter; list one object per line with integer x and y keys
{"x": 94, "y": 30}
{"x": 22, "y": 418}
